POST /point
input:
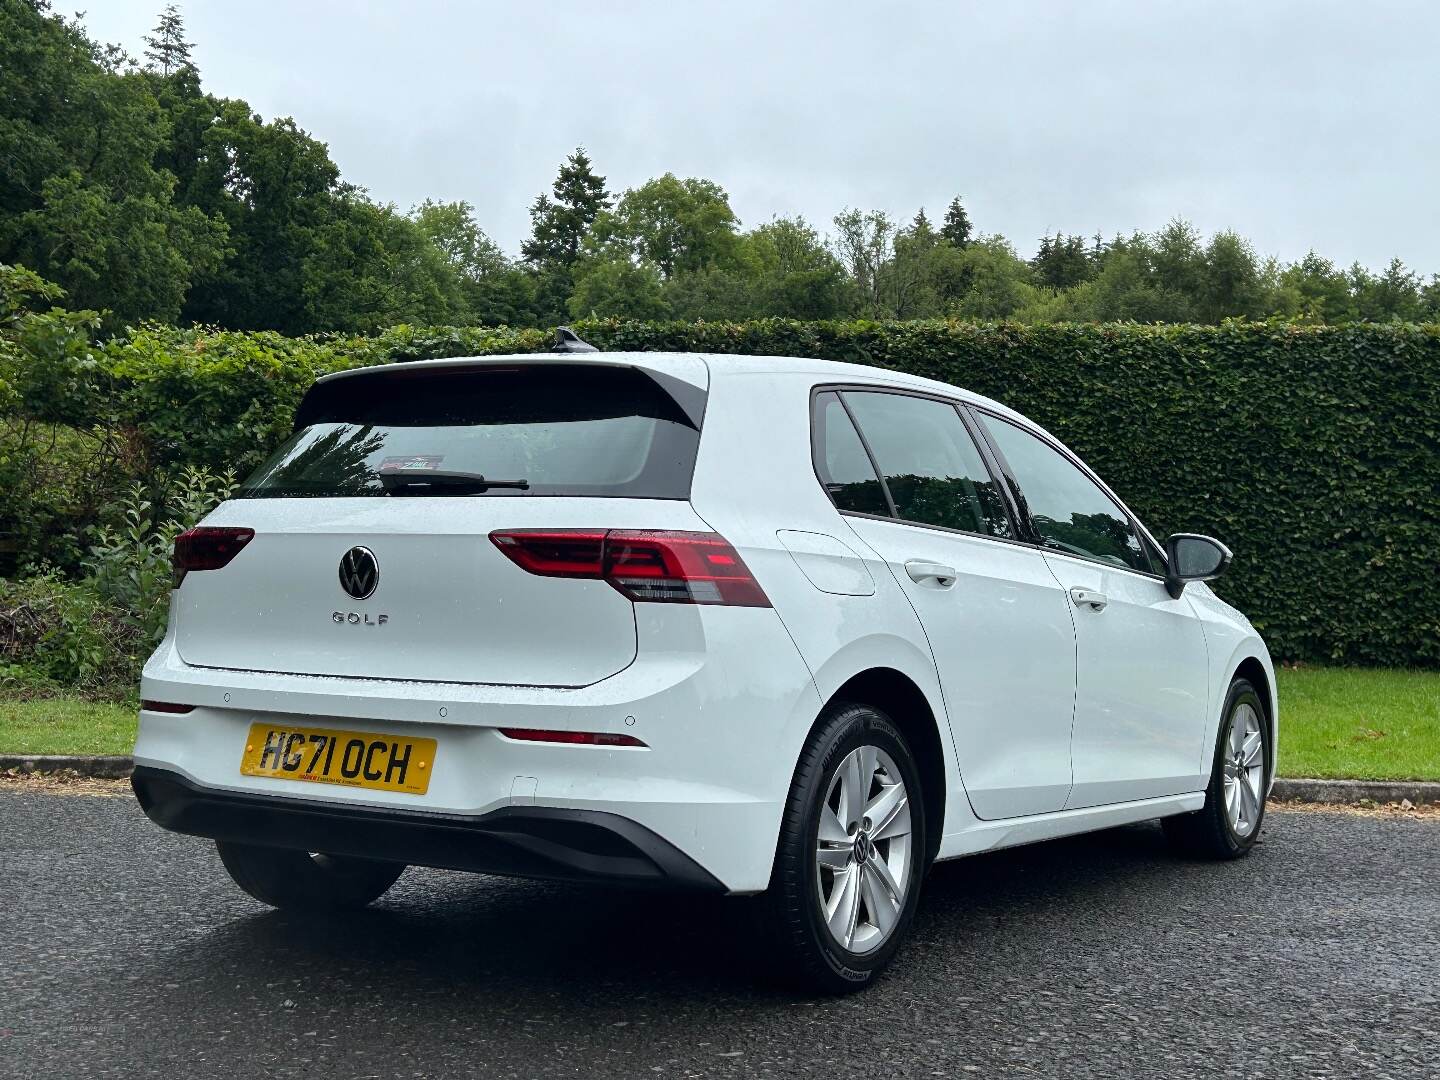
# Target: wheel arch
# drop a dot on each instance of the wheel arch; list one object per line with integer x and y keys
{"x": 900, "y": 698}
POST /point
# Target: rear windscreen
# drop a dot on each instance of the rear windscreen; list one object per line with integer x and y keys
{"x": 544, "y": 429}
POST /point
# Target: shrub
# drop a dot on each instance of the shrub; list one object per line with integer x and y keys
{"x": 93, "y": 635}
{"x": 64, "y": 632}
{"x": 59, "y": 453}
{"x": 129, "y": 563}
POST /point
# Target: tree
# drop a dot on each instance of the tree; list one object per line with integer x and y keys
{"x": 1125, "y": 288}
{"x": 167, "y": 48}
{"x": 1315, "y": 289}
{"x": 559, "y": 225}
{"x": 615, "y": 287}
{"x": 285, "y": 205}
{"x": 81, "y": 199}
{"x": 677, "y": 226}
{"x": 493, "y": 292}
{"x": 452, "y": 228}
{"x": 1231, "y": 280}
{"x": 795, "y": 274}
{"x": 956, "y": 227}
{"x": 1430, "y": 297}
{"x": 135, "y": 254}
{"x": 907, "y": 286}
{"x": 367, "y": 266}
{"x": 999, "y": 280}
{"x": 712, "y": 295}
{"x": 311, "y": 253}
{"x": 1062, "y": 262}
{"x": 1177, "y": 264}
{"x": 1394, "y": 295}
{"x": 864, "y": 243}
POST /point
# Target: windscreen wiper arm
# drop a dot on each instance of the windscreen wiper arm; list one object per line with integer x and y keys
{"x": 412, "y": 480}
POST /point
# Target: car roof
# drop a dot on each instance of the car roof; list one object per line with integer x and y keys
{"x": 693, "y": 367}
{"x": 840, "y": 372}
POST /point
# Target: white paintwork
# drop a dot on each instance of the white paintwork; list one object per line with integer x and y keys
{"x": 464, "y": 611}
{"x": 827, "y": 563}
{"x": 1142, "y": 691}
{"x": 724, "y": 697}
{"x": 993, "y": 835}
{"x": 1005, "y": 648}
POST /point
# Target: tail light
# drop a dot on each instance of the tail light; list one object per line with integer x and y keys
{"x": 655, "y": 567}
{"x": 207, "y": 547}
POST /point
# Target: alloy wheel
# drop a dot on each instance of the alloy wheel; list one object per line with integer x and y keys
{"x": 863, "y": 850}
{"x": 1244, "y": 770}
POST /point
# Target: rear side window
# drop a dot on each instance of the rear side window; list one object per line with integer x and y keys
{"x": 930, "y": 464}
{"x": 842, "y": 462}
{"x": 540, "y": 429}
{"x": 1069, "y": 510}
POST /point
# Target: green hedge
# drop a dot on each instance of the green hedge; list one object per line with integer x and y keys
{"x": 1311, "y": 451}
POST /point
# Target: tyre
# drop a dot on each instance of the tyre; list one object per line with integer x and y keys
{"x": 851, "y": 854}
{"x": 306, "y": 881}
{"x": 1229, "y": 823}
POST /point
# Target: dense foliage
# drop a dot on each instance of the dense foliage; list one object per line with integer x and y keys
{"x": 147, "y": 198}
{"x": 1313, "y": 451}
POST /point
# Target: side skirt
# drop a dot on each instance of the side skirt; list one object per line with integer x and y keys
{"x": 1012, "y": 832}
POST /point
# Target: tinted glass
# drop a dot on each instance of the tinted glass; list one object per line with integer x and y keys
{"x": 841, "y": 460}
{"x": 1070, "y": 511}
{"x": 931, "y": 465}
{"x": 566, "y": 430}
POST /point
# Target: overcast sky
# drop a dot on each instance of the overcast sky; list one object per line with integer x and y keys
{"x": 1299, "y": 124}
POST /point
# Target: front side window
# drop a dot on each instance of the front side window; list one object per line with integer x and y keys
{"x": 1069, "y": 510}
{"x": 929, "y": 462}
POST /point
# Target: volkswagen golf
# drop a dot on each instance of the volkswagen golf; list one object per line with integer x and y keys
{"x": 737, "y": 624}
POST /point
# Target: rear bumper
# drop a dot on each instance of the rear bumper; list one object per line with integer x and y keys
{"x": 531, "y": 841}
{"x": 719, "y": 696}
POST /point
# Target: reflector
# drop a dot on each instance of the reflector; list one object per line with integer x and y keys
{"x": 582, "y": 738}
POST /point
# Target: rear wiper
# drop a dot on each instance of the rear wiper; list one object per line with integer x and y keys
{"x": 453, "y": 482}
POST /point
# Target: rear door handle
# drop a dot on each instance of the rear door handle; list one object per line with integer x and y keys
{"x": 919, "y": 570}
{"x": 1095, "y": 601}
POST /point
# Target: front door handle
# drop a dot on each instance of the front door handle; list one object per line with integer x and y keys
{"x": 1095, "y": 601}
{"x": 921, "y": 571}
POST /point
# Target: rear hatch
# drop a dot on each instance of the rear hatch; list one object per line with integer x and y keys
{"x": 372, "y": 557}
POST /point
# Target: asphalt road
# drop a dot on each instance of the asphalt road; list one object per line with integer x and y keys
{"x": 125, "y": 951}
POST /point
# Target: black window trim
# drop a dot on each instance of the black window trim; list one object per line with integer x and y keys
{"x": 1085, "y": 470}
{"x": 1001, "y": 474}
{"x": 981, "y": 445}
{"x": 870, "y": 454}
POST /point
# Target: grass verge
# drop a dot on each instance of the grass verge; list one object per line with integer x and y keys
{"x": 1359, "y": 724}
{"x": 66, "y": 726}
{"x": 1335, "y": 723}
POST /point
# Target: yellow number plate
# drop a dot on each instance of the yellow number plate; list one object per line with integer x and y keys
{"x": 352, "y": 758}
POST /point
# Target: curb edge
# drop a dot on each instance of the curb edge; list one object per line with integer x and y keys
{"x": 91, "y": 766}
{"x": 1349, "y": 792}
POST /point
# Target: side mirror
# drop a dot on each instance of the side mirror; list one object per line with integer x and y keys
{"x": 1193, "y": 558}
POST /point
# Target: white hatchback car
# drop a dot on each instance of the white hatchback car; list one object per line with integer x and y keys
{"x": 739, "y": 624}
